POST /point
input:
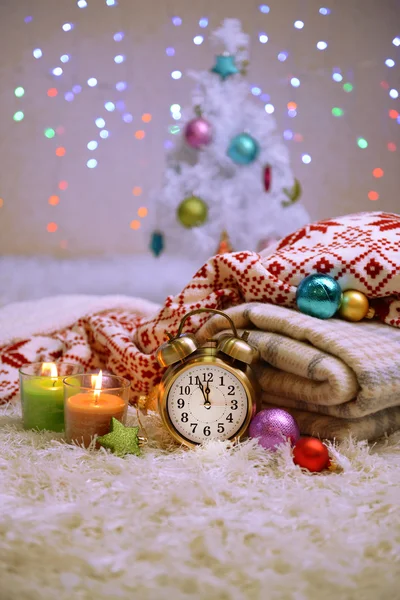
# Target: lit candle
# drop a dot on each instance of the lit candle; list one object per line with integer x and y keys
{"x": 42, "y": 395}
{"x": 89, "y": 412}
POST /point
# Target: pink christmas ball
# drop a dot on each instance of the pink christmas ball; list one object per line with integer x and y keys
{"x": 272, "y": 426}
{"x": 198, "y": 133}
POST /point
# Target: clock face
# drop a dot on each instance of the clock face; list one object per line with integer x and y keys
{"x": 207, "y": 401}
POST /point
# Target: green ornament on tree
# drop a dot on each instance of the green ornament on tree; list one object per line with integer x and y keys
{"x": 192, "y": 212}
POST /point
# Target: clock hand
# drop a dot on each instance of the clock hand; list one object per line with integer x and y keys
{"x": 206, "y": 400}
{"x": 207, "y": 392}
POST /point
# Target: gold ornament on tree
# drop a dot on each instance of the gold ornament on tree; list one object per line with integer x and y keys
{"x": 192, "y": 212}
{"x": 355, "y": 306}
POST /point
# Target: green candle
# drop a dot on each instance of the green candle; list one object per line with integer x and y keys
{"x": 42, "y": 401}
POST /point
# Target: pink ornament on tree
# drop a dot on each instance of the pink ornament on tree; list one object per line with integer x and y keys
{"x": 198, "y": 132}
{"x": 267, "y": 178}
{"x": 272, "y": 427}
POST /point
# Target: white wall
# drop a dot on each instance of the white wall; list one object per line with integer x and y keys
{"x": 95, "y": 212}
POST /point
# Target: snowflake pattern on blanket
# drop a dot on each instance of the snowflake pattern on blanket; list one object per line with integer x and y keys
{"x": 361, "y": 251}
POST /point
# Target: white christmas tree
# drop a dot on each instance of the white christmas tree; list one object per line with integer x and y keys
{"x": 228, "y": 177}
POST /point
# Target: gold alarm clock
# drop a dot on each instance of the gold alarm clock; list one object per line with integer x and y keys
{"x": 207, "y": 392}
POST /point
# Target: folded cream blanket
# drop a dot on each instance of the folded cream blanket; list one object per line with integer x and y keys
{"x": 335, "y": 377}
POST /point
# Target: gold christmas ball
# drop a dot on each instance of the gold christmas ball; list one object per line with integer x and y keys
{"x": 192, "y": 212}
{"x": 354, "y": 306}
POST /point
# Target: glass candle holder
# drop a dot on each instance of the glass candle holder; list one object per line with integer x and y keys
{"x": 90, "y": 402}
{"x": 42, "y": 394}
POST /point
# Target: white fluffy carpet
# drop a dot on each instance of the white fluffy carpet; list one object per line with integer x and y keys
{"x": 217, "y": 523}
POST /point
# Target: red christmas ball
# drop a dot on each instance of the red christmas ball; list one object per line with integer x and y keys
{"x": 311, "y": 454}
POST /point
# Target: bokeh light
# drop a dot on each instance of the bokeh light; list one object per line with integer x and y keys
{"x": 392, "y": 147}
{"x": 288, "y": 134}
{"x": 264, "y": 8}
{"x": 142, "y": 212}
{"x": 394, "y": 93}
{"x": 256, "y": 91}
{"x": 52, "y": 92}
{"x": 18, "y": 116}
{"x": 37, "y": 53}
{"x": 396, "y": 41}
{"x": 139, "y": 135}
{"x": 137, "y": 190}
{"x": 119, "y": 58}
{"x": 1, "y": 202}
{"x": 282, "y": 56}
{"x": 60, "y": 151}
{"x": 100, "y": 123}
{"x": 324, "y": 11}
{"x": 57, "y": 71}
{"x": 269, "y": 108}
{"x": 291, "y": 105}
{"x": 104, "y": 134}
{"x": 92, "y": 145}
{"x": 127, "y": 118}
{"x": 362, "y": 143}
{"x": 109, "y": 106}
{"x": 69, "y": 96}
{"x": 54, "y": 200}
{"x": 393, "y": 114}
{"x": 91, "y": 163}
{"x": 67, "y": 27}
{"x": 389, "y": 62}
{"x": 146, "y": 118}
{"x": 176, "y": 21}
{"x": 135, "y": 224}
{"x": 372, "y": 195}
{"x": 64, "y": 58}
{"x": 170, "y": 51}
{"x": 121, "y": 86}
{"x": 299, "y": 24}
{"x": 263, "y": 37}
{"x": 295, "y": 82}
{"x": 49, "y": 133}
{"x": 19, "y": 92}
{"x": 321, "y": 45}
{"x": 52, "y": 227}
{"x": 198, "y": 40}
{"x": 347, "y": 87}
{"x": 92, "y": 81}
{"x": 337, "y": 112}
{"x": 306, "y": 158}
{"x": 119, "y": 36}
{"x": 176, "y": 74}
{"x": 63, "y": 185}
{"x": 377, "y": 172}
{"x": 81, "y": 4}
{"x": 203, "y": 22}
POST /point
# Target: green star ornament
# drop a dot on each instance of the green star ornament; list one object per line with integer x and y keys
{"x": 121, "y": 440}
{"x": 225, "y": 66}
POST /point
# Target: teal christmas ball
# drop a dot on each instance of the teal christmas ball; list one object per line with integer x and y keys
{"x": 319, "y": 295}
{"x": 243, "y": 149}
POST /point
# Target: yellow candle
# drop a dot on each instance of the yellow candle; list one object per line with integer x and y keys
{"x": 89, "y": 414}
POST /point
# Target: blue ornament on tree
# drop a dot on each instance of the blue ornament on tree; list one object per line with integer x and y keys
{"x": 157, "y": 243}
{"x": 243, "y": 149}
{"x": 319, "y": 295}
{"x": 225, "y": 66}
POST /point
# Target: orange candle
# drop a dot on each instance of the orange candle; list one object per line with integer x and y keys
{"x": 89, "y": 413}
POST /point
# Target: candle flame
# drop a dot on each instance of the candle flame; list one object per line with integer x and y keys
{"x": 49, "y": 369}
{"x": 96, "y": 383}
